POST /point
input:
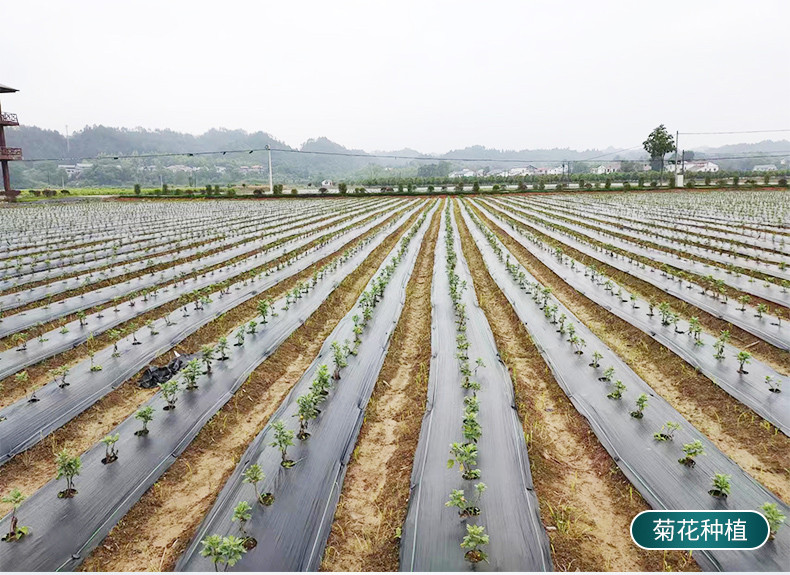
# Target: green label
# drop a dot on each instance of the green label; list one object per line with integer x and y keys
{"x": 699, "y": 530}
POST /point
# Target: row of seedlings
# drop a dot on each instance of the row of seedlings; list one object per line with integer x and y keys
{"x": 465, "y": 454}
{"x": 222, "y": 550}
{"x": 228, "y": 550}
{"x": 615, "y": 388}
{"x": 669, "y": 318}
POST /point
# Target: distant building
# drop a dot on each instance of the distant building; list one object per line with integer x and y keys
{"x": 609, "y": 168}
{"x": 180, "y": 168}
{"x": 74, "y": 169}
{"x": 327, "y": 184}
{"x": 764, "y": 168}
{"x": 701, "y": 167}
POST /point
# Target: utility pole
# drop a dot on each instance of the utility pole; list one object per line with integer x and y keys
{"x": 271, "y": 186}
{"x": 67, "y": 140}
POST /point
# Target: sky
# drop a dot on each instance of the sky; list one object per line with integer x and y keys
{"x": 429, "y": 75}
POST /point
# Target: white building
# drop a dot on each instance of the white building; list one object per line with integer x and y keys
{"x": 327, "y": 184}
{"x": 701, "y": 167}
{"x": 764, "y": 168}
{"x": 606, "y": 169}
{"x": 74, "y": 169}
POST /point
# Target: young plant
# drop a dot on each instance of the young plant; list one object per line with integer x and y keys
{"x": 170, "y": 389}
{"x": 115, "y": 337}
{"x": 608, "y": 374}
{"x": 252, "y": 327}
{"x": 264, "y": 309}
{"x": 597, "y": 356}
{"x": 478, "y": 364}
{"x": 690, "y": 451}
{"x": 774, "y": 386}
{"x": 283, "y": 439}
{"x": 772, "y": 514}
{"x": 222, "y": 348}
{"x": 15, "y": 532}
{"x": 667, "y": 432}
{"x": 617, "y": 392}
{"x": 465, "y": 508}
{"x": 721, "y": 485}
{"x": 110, "y": 451}
{"x": 254, "y": 475}
{"x": 474, "y": 539}
{"x": 307, "y": 411}
{"x": 146, "y": 415}
{"x": 465, "y": 455}
{"x": 240, "y": 335}
{"x": 242, "y": 513}
{"x": 207, "y": 355}
{"x": 339, "y": 354}
{"x": 743, "y": 359}
{"x": 641, "y": 404}
{"x": 68, "y": 467}
{"x": 227, "y": 550}
{"x": 190, "y": 373}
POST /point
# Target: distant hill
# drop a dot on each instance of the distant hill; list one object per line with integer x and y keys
{"x": 333, "y": 161}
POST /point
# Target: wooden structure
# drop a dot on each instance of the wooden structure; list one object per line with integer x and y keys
{"x": 8, "y": 154}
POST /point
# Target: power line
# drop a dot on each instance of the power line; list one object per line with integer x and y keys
{"x": 758, "y": 154}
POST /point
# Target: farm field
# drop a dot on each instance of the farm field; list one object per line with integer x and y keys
{"x": 419, "y": 383}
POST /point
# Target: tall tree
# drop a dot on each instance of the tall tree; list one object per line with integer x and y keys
{"x": 658, "y": 144}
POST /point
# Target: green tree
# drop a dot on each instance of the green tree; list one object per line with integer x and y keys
{"x": 658, "y": 144}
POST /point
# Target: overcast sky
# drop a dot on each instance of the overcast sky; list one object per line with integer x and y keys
{"x": 430, "y": 75}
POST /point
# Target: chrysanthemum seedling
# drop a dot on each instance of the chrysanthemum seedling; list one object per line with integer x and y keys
{"x": 465, "y": 508}
{"x": 743, "y": 359}
{"x": 761, "y": 309}
{"x": 254, "y": 475}
{"x": 774, "y": 385}
{"x": 721, "y": 485}
{"x": 617, "y": 392}
{"x": 146, "y": 415}
{"x": 641, "y": 404}
{"x": 240, "y": 335}
{"x": 223, "y": 550}
{"x": 690, "y": 451}
{"x": 222, "y": 348}
{"x": 170, "y": 389}
{"x": 207, "y": 355}
{"x": 15, "y": 531}
{"x": 474, "y": 539}
{"x": 465, "y": 455}
{"x": 608, "y": 374}
{"x": 264, "y": 309}
{"x": 283, "y": 439}
{"x": 720, "y": 343}
{"x": 774, "y": 517}
{"x": 307, "y": 411}
{"x": 242, "y": 513}
{"x": 339, "y": 354}
{"x": 744, "y": 300}
{"x": 68, "y": 467}
{"x": 190, "y": 374}
{"x": 478, "y": 364}
{"x": 596, "y": 356}
{"x": 110, "y": 451}
{"x": 667, "y": 432}
{"x": 471, "y": 428}
{"x": 252, "y": 327}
